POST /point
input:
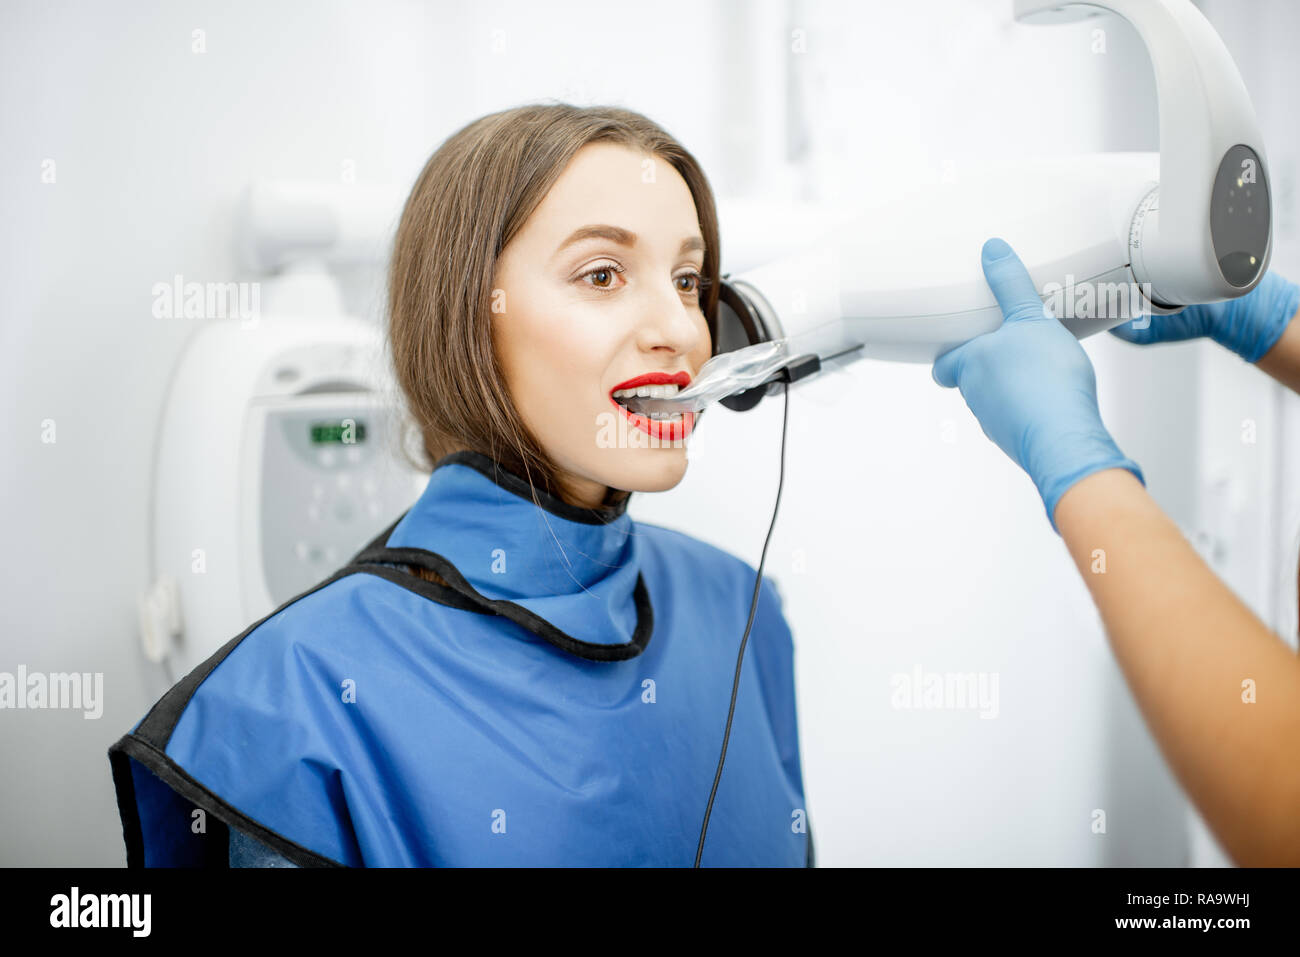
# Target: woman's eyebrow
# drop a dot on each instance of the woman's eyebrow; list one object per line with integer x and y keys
{"x": 621, "y": 236}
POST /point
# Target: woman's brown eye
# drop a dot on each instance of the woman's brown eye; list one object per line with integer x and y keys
{"x": 607, "y": 271}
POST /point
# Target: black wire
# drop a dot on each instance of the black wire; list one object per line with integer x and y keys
{"x": 740, "y": 658}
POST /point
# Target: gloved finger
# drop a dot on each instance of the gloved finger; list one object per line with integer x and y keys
{"x": 1126, "y": 332}
{"x": 1010, "y": 282}
{"x": 1145, "y": 330}
{"x": 947, "y": 367}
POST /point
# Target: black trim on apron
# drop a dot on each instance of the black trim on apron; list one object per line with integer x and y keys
{"x": 517, "y": 485}
{"x": 147, "y": 744}
{"x": 377, "y": 555}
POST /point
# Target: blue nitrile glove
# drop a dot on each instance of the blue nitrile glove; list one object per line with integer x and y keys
{"x": 1249, "y": 325}
{"x": 1031, "y": 386}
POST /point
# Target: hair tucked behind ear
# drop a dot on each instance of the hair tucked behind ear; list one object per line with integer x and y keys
{"x": 473, "y": 195}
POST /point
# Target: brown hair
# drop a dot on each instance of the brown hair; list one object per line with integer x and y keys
{"x": 474, "y": 194}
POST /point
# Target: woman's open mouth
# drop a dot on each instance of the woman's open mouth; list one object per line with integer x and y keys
{"x": 660, "y": 425}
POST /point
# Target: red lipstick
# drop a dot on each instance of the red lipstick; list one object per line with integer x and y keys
{"x": 673, "y": 430}
{"x": 680, "y": 379}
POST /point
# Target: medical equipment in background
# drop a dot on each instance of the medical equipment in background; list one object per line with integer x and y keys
{"x": 276, "y": 457}
{"x": 1147, "y": 233}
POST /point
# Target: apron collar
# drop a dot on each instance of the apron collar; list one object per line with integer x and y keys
{"x": 570, "y": 575}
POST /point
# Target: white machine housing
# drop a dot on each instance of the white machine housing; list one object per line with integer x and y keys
{"x": 276, "y": 462}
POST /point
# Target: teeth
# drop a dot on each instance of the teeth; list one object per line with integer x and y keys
{"x": 652, "y": 392}
{"x": 648, "y": 391}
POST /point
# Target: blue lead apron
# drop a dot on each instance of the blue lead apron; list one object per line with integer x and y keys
{"x": 561, "y": 703}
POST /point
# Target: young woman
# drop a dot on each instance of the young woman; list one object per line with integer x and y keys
{"x": 1219, "y": 690}
{"x": 514, "y": 672}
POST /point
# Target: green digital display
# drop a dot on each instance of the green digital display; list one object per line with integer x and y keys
{"x": 346, "y": 432}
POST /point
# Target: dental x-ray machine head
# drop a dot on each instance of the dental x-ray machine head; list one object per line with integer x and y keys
{"x": 1141, "y": 233}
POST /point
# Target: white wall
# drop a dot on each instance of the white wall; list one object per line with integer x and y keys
{"x": 894, "y": 548}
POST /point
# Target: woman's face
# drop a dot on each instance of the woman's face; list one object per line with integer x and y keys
{"x": 578, "y": 312}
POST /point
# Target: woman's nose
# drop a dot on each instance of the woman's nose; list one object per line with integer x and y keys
{"x": 669, "y": 319}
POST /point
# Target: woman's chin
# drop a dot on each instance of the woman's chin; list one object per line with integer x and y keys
{"x": 650, "y": 470}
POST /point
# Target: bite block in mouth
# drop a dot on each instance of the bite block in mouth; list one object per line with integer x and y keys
{"x": 645, "y": 404}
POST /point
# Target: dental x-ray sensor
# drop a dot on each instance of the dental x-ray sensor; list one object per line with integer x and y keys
{"x": 1106, "y": 237}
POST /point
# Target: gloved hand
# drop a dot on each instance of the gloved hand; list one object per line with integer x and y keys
{"x": 1249, "y": 325}
{"x": 1032, "y": 387}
